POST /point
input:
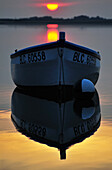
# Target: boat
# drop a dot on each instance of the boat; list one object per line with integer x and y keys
{"x": 57, "y": 122}
{"x": 54, "y": 64}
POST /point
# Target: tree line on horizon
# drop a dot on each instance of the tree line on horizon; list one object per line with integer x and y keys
{"x": 49, "y": 19}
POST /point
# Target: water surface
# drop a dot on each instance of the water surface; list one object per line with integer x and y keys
{"x": 20, "y": 152}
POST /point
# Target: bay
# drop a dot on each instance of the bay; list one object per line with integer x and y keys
{"x": 18, "y": 151}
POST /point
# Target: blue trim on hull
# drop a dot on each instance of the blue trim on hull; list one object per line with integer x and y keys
{"x": 56, "y": 44}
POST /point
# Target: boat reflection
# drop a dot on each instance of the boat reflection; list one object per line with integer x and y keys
{"x": 57, "y": 123}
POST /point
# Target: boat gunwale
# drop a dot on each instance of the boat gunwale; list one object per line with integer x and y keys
{"x": 56, "y": 44}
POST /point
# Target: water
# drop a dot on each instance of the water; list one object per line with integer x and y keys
{"x": 20, "y": 152}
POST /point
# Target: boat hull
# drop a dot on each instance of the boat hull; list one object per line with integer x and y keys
{"x": 56, "y": 64}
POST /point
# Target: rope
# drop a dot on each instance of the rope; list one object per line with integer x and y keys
{"x": 61, "y": 66}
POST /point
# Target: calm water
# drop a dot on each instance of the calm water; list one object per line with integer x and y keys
{"x": 20, "y": 152}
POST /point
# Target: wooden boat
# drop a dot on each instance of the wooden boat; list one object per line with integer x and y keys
{"x": 57, "y": 123}
{"x": 53, "y": 64}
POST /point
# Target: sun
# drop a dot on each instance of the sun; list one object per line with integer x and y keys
{"x": 52, "y": 7}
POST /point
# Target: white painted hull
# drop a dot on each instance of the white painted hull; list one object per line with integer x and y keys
{"x": 54, "y": 65}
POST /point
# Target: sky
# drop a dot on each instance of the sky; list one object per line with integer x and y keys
{"x": 66, "y": 9}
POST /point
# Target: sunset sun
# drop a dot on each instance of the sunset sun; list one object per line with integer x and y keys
{"x": 52, "y": 7}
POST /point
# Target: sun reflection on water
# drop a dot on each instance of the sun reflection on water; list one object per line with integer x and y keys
{"x": 52, "y": 35}
{"x": 32, "y": 154}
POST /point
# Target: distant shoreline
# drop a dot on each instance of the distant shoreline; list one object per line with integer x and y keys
{"x": 78, "y": 20}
